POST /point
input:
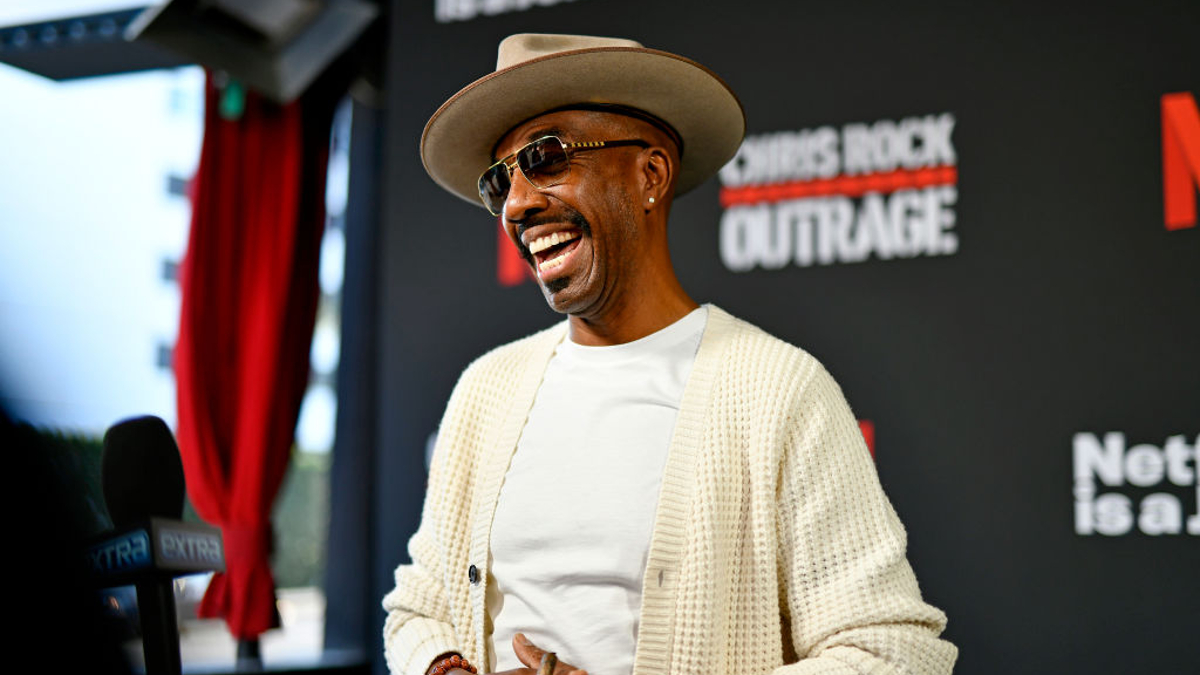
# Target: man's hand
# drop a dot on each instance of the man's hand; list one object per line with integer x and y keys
{"x": 531, "y": 655}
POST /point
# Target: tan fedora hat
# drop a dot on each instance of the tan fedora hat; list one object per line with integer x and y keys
{"x": 536, "y": 73}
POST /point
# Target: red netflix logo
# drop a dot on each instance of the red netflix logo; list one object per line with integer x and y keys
{"x": 1181, "y": 159}
{"x": 511, "y": 268}
{"x": 868, "y": 431}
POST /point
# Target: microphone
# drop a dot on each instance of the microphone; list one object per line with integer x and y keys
{"x": 141, "y": 474}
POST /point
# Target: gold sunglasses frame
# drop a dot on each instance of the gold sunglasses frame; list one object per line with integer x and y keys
{"x": 511, "y": 162}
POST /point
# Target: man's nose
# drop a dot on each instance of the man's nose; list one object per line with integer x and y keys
{"x": 523, "y": 197}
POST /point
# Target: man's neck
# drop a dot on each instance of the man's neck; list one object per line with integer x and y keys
{"x": 632, "y": 321}
{"x": 645, "y": 302}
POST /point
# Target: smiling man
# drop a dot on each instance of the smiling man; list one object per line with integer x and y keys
{"x": 651, "y": 486}
{"x": 614, "y": 282}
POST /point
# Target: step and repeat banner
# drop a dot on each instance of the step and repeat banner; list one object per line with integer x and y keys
{"x": 981, "y": 217}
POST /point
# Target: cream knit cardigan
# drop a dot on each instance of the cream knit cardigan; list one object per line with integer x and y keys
{"x": 774, "y": 547}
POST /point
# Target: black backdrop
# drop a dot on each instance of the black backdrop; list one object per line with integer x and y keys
{"x": 1067, "y": 310}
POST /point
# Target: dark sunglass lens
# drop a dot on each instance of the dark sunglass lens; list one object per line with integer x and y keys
{"x": 543, "y": 162}
{"x": 493, "y": 188}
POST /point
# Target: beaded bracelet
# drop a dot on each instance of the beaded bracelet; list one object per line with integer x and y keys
{"x": 445, "y": 665}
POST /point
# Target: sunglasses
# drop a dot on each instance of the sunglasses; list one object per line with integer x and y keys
{"x": 544, "y": 163}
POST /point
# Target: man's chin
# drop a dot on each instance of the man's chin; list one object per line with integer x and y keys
{"x": 555, "y": 285}
{"x": 558, "y": 295}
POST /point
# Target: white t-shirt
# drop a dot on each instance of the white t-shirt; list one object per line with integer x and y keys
{"x": 573, "y": 522}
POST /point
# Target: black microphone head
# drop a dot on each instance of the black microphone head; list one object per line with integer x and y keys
{"x": 141, "y": 472}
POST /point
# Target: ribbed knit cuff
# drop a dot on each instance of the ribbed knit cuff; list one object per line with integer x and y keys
{"x": 415, "y": 645}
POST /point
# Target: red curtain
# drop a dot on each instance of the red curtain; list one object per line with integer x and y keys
{"x": 249, "y": 287}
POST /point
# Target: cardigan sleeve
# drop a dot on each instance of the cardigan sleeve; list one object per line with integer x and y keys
{"x": 417, "y": 629}
{"x": 848, "y": 593}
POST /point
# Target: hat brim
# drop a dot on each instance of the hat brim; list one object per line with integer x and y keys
{"x": 458, "y": 139}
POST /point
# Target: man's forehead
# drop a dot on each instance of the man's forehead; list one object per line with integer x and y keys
{"x": 566, "y": 124}
{"x": 545, "y": 128}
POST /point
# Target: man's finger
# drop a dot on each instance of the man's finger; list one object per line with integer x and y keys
{"x": 531, "y": 656}
{"x": 528, "y": 653}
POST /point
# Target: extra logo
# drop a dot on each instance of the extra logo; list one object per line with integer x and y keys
{"x": 1181, "y": 159}
{"x": 1144, "y": 486}
{"x": 884, "y": 190}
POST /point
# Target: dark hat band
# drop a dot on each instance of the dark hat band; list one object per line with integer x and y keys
{"x": 627, "y": 111}
{"x": 612, "y": 108}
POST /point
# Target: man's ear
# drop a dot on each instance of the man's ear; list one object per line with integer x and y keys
{"x": 658, "y": 173}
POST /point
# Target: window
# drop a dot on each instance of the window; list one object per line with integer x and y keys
{"x": 93, "y": 222}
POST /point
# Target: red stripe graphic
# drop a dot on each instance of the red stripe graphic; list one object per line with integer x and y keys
{"x": 848, "y": 186}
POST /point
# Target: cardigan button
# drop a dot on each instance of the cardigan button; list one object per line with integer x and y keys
{"x": 473, "y": 574}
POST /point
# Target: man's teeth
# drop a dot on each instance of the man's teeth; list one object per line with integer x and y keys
{"x": 542, "y": 243}
{"x": 551, "y": 263}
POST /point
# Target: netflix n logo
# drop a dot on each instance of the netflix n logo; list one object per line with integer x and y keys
{"x": 511, "y": 268}
{"x": 1181, "y": 159}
